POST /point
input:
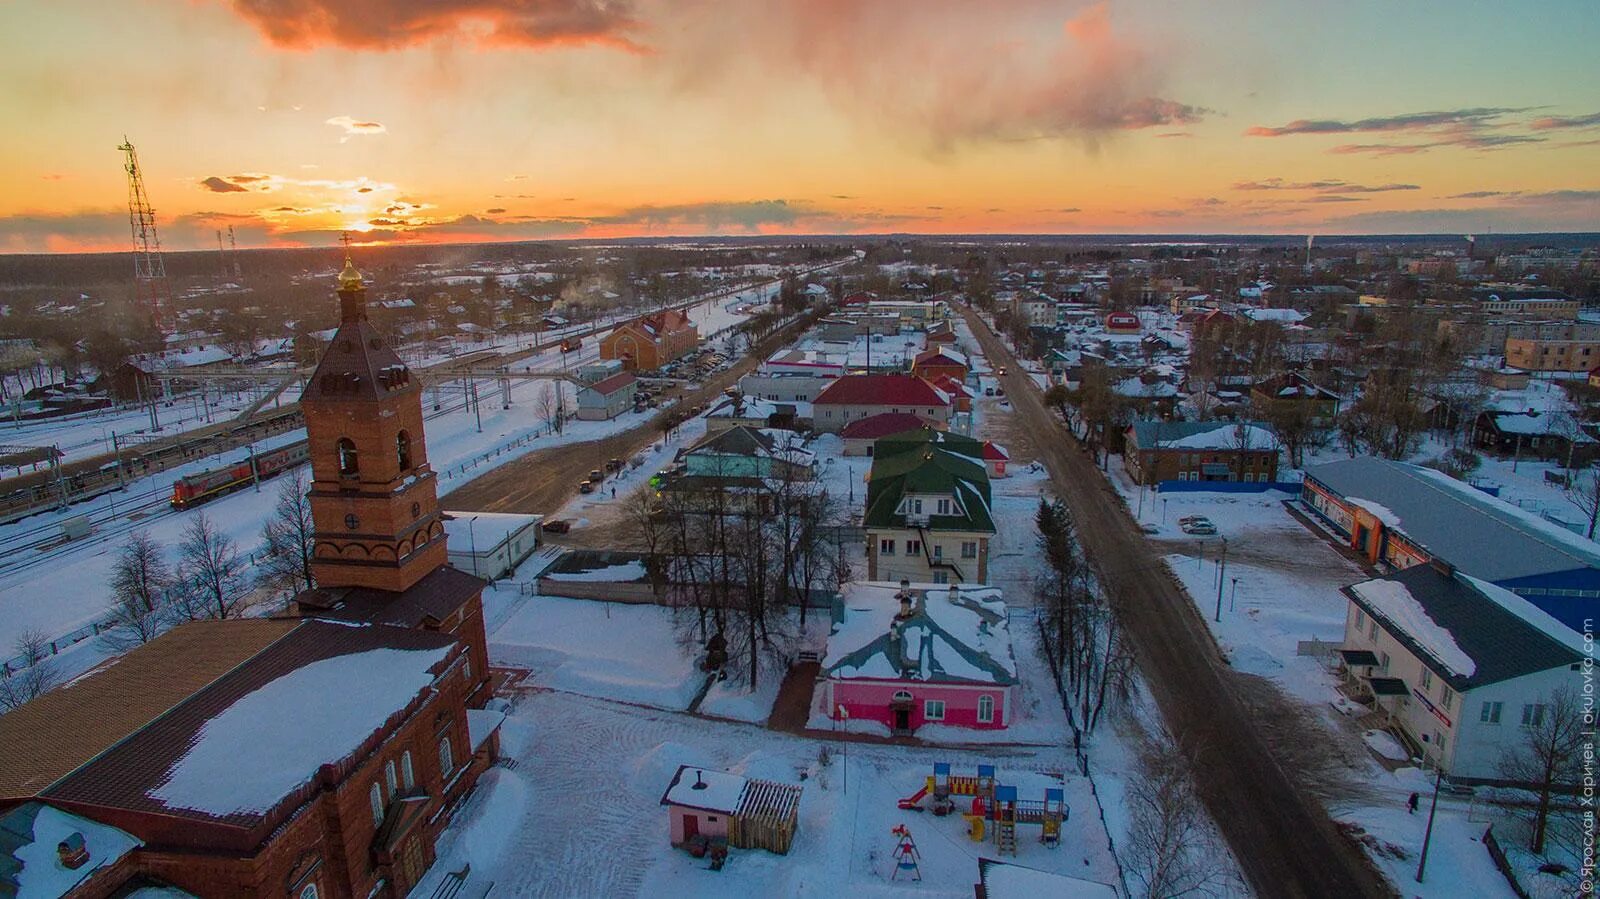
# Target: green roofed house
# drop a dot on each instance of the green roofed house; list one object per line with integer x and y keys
{"x": 928, "y": 516}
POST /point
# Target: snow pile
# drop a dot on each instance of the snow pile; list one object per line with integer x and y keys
{"x": 1378, "y": 510}
{"x": 1393, "y": 601}
{"x": 1385, "y": 745}
{"x": 42, "y": 873}
{"x": 608, "y": 650}
{"x": 272, "y": 739}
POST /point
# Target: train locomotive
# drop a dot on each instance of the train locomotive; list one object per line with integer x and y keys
{"x": 195, "y": 489}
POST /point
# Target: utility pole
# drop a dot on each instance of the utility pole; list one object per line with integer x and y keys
{"x": 1427, "y": 836}
{"x": 255, "y": 472}
{"x": 1222, "y": 573}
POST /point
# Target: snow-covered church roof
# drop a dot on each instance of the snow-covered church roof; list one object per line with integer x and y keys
{"x": 953, "y": 634}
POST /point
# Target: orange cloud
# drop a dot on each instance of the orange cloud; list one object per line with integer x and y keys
{"x": 393, "y": 24}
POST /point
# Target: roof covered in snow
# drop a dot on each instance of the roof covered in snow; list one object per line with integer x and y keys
{"x": 1214, "y": 436}
{"x": 245, "y": 749}
{"x": 30, "y": 865}
{"x": 954, "y": 634}
{"x": 1004, "y": 880}
{"x": 1483, "y": 536}
{"x": 705, "y": 788}
{"x": 483, "y": 532}
{"x": 933, "y": 463}
{"x": 1473, "y": 632}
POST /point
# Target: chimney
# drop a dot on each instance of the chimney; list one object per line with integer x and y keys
{"x": 72, "y": 851}
{"x": 905, "y": 600}
{"x": 699, "y": 783}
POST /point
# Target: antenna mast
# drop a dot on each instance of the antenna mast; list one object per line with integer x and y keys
{"x": 233, "y": 253}
{"x": 153, "y": 289}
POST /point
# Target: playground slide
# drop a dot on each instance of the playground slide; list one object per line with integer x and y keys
{"x": 910, "y": 802}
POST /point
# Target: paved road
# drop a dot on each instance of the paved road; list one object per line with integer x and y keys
{"x": 544, "y": 480}
{"x": 1284, "y": 840}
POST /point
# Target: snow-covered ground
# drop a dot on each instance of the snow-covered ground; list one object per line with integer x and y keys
{"x": 590, "y": 775}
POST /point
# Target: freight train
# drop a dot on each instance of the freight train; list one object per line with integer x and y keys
{"x": 195, "y": 489}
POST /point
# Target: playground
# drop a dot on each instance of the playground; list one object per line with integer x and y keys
{"x": 992, "y": 810}
{"x": 843, "y": 837}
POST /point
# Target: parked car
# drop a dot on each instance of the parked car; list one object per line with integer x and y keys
{"x": 596, "y": 475}
{"x": 585, "y": 486}
{"x": 1201, "y": 527}
{"x": 1191, "y": 519}
{"x": 557, "y": 526}
{"x": 613, "y": 465}
{"x": 1001, "y": 371}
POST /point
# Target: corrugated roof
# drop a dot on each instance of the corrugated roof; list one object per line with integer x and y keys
{"x": 54, "y": 735}
{"x": 1501, "y": 643}
{"x": 929, "y": 462}
{"x": 1477, "y": 533}
{"x": 358, "y": 365}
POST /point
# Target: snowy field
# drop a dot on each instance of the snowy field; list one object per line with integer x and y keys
{"x": 608, "y": 765}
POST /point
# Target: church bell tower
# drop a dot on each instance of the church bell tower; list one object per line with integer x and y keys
{"x": 374, "y": 500}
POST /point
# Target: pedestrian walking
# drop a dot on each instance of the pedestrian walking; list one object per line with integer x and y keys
{"x": 1411, "y": 804}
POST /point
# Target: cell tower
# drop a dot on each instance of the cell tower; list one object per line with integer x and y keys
{"x": 233, "y": 253}
{"x": 153, "y": 289}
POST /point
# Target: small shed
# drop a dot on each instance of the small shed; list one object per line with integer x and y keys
{"x": 747, "y": 812}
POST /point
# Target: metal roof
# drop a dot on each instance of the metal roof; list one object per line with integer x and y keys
{"x": 1502, "y": 644}
{"x": 1483, "y": 536}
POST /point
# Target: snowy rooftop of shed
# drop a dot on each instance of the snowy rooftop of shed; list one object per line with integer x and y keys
{"x": 705, "y": 788}
{"x": 481, "y": 532}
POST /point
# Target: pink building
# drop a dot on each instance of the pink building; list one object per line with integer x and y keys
{"x": 926, "y": 654}
{"x": 743, "y": 812}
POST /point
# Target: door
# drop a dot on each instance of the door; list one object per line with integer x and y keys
{"x": 411, "y": 865}
{"x": 902, "y": 719}
{"x": 691, "y": 827}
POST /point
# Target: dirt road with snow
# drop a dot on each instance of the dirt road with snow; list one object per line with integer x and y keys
{"x": 1282, "y": 837}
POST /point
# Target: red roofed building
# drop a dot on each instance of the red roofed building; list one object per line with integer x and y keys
{"x": 859, "y": 298}
{"x": 859, "y": 435}
{"x": 940, "y": 362}
{"x": 960, "y": 394}
{"x": 651, "y": 341}
{"x": 995, "y": 459}
{"x": 1122, "y": 323}
{"x": 607, "y": 398}
{"x": 855, "y": 397}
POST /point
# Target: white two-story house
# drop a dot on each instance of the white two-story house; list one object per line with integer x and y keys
{"x": 928, "y": 517}
{"x": 1461, "y": 666}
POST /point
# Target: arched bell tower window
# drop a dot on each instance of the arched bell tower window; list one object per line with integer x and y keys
{"x": 348, "y": 466}
{"x": 402, "y": 449}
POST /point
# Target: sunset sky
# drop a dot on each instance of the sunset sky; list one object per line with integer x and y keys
{"x": 449, "y": 120}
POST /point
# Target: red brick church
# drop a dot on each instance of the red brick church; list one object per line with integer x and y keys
{"x": 316, "y": 755}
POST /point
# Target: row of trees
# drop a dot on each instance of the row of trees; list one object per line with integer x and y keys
{"x": 741, "y": 556}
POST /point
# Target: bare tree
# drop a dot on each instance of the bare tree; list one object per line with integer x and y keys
{"x": 35, "y": 675}
{"x": 1172, "y": 849}
{"x": 1583, "y": 491}
{"x": 1546, "y": 761}
{"x": 551, "y": 407}
{"x": 140, "y": 580}
{"x": 290, "y": 538}
{"x": 211, "y": 576}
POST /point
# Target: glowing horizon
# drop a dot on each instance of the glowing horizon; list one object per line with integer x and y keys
{"x": 474, "y": 120}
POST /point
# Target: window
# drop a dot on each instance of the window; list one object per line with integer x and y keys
{"x": 309, "y": 891}
{"x": 944, "y": 507}
{"x": 447, "y": 761}
{"x": 885, "y": 547}
{"x": 408, "y": 774}
{"x": 902, "y": 696}
{"x": 376, "y": 798}
{"x": 402, "y": 450}
{"x": 348, "y": 464}
{"x": 938, "y": 550}
{"x": 466, "y": 667}
{"x": 1427, "y": 679}
{"x": 1383, "y": 662}
{"x": 969, "y": 549}
{"x": 916, "y": 507}
{"x": 390, "y": 778}
{"x": 1533, "y": 714}
{"x": 941, "y": 577}
{"x": 1490, "y": 713}
{"x": 985, "y": 709}
{"x": 1361, "y": 619}
{"x": 913, "y": 547}
{"x": 933, "y": 709}
{"x": 1372, "y": 631}
{"x": 1447, "y": 697}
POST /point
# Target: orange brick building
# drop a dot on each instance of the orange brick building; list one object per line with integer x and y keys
{"x": 651, "y": 341}
{"x": 293, "y": 757}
